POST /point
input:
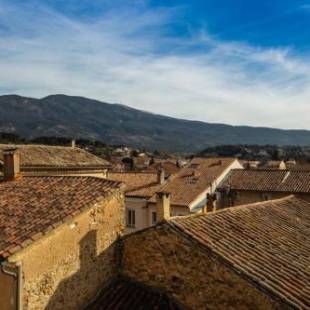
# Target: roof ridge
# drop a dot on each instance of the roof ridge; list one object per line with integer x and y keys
{"x": 233, "y": 209}
{"x": 105, "y": 180}
{"x": 132, "y": 172}
{"x": 270, "y": 170}
{"x": 289, "y": 242}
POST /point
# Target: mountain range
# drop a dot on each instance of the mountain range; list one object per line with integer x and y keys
{"x": 79, "y": 117}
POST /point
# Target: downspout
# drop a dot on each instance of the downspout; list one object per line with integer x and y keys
{"x": 17, "y": 275}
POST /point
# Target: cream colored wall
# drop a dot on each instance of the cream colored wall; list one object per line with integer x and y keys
{"x": 66, "y": 268}
{"x": 139, "y": 205}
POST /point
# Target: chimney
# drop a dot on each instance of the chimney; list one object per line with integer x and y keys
{"x": 73, "y": 143}
{"x": 11, "y": 166}
{"x": 210, "y": 203}
{"x": 162, "y": 206}
{"x": 161, "y": 176}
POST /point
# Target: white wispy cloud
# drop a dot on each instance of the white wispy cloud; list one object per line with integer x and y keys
{"x": 128, "y": 56}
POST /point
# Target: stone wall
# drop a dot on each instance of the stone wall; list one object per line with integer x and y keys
{"x": 65, "y": 269}
{"x": 161, "y": 258}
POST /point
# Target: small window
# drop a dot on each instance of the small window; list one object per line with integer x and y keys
{"x": 154, "y": 218}
{"x": 131, "y": 218}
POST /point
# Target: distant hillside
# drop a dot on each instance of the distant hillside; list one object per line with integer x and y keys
{"x": 67, "y": 116}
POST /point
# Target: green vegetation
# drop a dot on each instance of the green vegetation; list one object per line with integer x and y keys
{"x": 261, "y": 152}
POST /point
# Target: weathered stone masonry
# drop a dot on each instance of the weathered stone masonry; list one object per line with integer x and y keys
{"x": 68, "y": 266}
{"x": 162, "y": 258}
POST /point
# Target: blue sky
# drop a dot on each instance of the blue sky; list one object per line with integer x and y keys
{"x": 230, "y": 61}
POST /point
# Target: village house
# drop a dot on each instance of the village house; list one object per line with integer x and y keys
{"x": 276, "y": 164}
{"x": 140, "y": 187}
{"x": 249, "y": 257}
{"x": 57, "y": 160}
{"x": 185, "y": 192}
{"x": 188, "y": 190}
{"x": 57, "y": 237}
{"x": 248, "y": 186}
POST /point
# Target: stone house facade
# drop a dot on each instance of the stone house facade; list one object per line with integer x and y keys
{"x": 249, "y": 186}
{"x": 58, "y": 240}
{"x": 221, "y": 260}
{"x": 57, "y": 160}
{"x": 188, "y": 190}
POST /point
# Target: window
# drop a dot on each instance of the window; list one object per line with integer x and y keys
{"x": 131, "y": 218}
{"x": 154, "y": 218}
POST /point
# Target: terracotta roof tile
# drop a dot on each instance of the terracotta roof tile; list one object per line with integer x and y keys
{"x": 268, "y": 180}
{"x": 169, "y": 166}
{"x": 191, "y": 181}
{"x": 32, "y": 206}
{"x": 268, "y": 242}
{"x": 36, "y": 156}
{"x": 138, "y": 184}
{"x": 124, "y": 293}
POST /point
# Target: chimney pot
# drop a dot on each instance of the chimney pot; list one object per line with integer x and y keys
{"x": 163, "y": 206}
{"x": 11, "y": 166}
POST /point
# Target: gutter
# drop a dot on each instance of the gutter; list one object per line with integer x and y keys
{"x": 18, "y": 277}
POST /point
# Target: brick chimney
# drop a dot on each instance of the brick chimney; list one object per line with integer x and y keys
{"x": 161, "y": 176}
{"x": 162, "y": 206}
{"x": 11, "y": 166}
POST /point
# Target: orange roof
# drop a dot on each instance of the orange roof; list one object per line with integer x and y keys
{"x": 193, "y": 180}
{"x": 168, "y": 165}
{"x": 268, "y": 242}
{"x": 32, "y": 206}
{"x": 58, "y": 157}
{"x": 138, "y": 184}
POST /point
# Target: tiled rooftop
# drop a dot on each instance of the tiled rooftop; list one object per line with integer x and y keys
{"x": 32, "y": 206}
{"x": 267, "y": 242}
{"x": 138, "y": 184}
{"x": 268, "y": 180}
{"x": 194, "y": 179}
{"x": 43, "y": 156}
{"x": 169, "y": 166}
{"x": 123, "y": 293}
